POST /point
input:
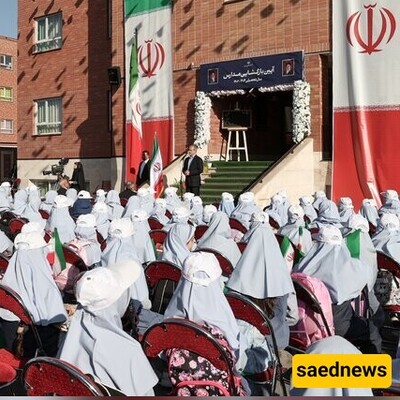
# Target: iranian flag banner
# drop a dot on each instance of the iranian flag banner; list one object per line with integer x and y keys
{"x": 149, "y": 99}
{"x": 156, "y": 169}
{"x": 366, "y": 98}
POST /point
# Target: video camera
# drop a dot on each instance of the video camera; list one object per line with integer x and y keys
{"x": 57, "y": 169}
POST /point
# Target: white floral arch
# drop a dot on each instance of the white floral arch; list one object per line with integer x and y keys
{"x": 300, "y": 111}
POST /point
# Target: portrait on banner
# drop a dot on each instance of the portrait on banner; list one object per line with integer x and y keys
{"x": 213, "y": 76}
{"x": 288, "y": 67}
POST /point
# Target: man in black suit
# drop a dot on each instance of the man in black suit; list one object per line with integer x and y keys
{"x": 192, "y": 168}
{"x": 143, "y": 175}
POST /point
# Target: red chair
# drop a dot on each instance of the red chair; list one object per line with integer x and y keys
{"x": 155, "y": 224}
{"x": 242, "y": 246}
{"x": 3, "y": 264}
{"x": 246, "y": 310}
{"x": 46, "y": 376}
{"x": 7, "y": 216}
{"x": 44, "y": 214}
{"x": 123, "y": 202}
{"x": 224, "y": 263}
{"x": 16, "y": 224}
{"x": 200, "y": 231}
{"x": 273, "y": 223}
{"x": 184, "y": 334}
{"x": 72, "y": 257}
{"x": 236, "y": 224}
{"x": 389, "y": 264}
{"x": 10, "y": 364}
{"x": 161, "y": 270}
{"x": 162, "y": 278}
{"x": 158, "y": 236}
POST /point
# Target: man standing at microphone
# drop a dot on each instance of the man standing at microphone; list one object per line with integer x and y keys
{"x": 192, "y": 168}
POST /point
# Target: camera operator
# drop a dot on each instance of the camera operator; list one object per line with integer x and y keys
{"x": 78, "y": 177}
{"x": 63, "y": 183}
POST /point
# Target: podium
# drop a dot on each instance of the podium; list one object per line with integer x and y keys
{"x": 235, "y": 137}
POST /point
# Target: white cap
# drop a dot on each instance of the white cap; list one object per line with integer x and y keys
{"x": 170, "y": 190}
{"x": 5, "y": 184}
{"x": 86, "y": 220}
{"x": 390, "y": 195}
{"x": 121, "y": 228}
{"x": 101, "y": 208}
{"x": 306, "y": 200}
{"x": 262, "y": 217}
{"x": 180, "y": 214}
{"x": 139, "y": 215}
{"x": 320, "y": 193}
{"x": 357, "y": 221}
{"x": 209, "y": 209}
{"x": 370, "y": 202}
{"x": 283, "y": 194}
{"x": 61, "y": 201}
{"x": 227, "y": 196}
{"x": 329, "y": 234}
{"x": 247, "y": 197}
{"x": 83, "y": 194}
{"x": 161, "y": 202}
{"x": 100, "y": 192}
{"x": 346, "y": 202}
{"x": 201, "y": 268}
{"x": 143, "y": 192}
{"x": 390, "y": 222}
{"x": 188, "y": 196}
{"x": 31, "y": 240}
{"x": 295, "y": 212}
{"x": 103, "y": 286}
{"x": 197, "y": 201}
{"x": 277, "y": 199}
{"x": 34, "y": 226}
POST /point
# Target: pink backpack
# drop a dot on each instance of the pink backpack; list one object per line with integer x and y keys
{"x": 311, "y": 325}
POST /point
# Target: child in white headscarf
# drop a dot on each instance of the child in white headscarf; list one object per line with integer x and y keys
{"x": 245, "y": 209}
{"x": 61, "y": 219}
{"x": 227, "y": 204}
{"x": 96, "y": 342}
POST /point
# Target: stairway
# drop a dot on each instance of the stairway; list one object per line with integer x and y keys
{"x": 232, "y": 177}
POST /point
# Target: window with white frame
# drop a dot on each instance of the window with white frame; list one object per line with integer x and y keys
{"x": 6, "y": 94}
{"x": 48, "y": 116}
{"x": 6, "y": 126}
{"x": 48, "y": 33}
{"x": 5, "y": 61}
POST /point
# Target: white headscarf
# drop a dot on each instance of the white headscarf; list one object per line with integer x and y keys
{"x": 115, "y": 210}
{"x": 175, "y": 249}
{"x": 121, "y": 364}
{"x": 369, "y": 211}
{"x": 29, "y": 274}
{"x": 208, "y": 211}
{"x": 141, "y": 239}
{"x": 158, "y": 212}
{"x": 387, "y": 236}
{"x": 100, "y": 211}
{"x": 61, "y": 219}
{"x": 261, "y": 271}
{"x": 218, "y": 237}
{"x": 47, "y": 204}
{"x": 172, "y": 198}
{"x": 307, "y": 206}
{"x": 227, "y": 204}
{"x": 330, "y": 261}
{"x": 245, "y": 208}
{"x": 199, "y": 297}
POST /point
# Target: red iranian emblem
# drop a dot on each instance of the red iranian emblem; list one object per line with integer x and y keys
{"x": 371, "y": 43}
{"x": 151, "y": 57}
{"x": 157, "y": 167}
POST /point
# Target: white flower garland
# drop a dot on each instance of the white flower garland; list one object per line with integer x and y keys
{"x": 301, "y": 111}
{"x": 221, "y": 93}
{"x": 202, "y": 130}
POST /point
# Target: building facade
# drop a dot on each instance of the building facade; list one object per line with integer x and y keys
{"x": 68, "y": 108}
{"x": 8, "y": 107}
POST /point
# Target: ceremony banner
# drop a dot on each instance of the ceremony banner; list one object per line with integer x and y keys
{"x": 148, "y": 22}
{"x": 247, "y": 73}
{"x": 366, "y": 98}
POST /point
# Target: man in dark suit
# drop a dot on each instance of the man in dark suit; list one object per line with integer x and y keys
{"x": 192, "y": 168}
{"x": 143, "y": 174}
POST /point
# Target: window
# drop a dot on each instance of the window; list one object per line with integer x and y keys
{"x": 6, "y": 126}
{"x": 48, "y": 33}
{"x": 5, "y": 61}
{"x": 48, "y": 116}
{"x": 6, "y": 94}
